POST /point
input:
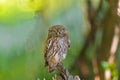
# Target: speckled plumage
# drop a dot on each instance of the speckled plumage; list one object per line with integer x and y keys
{"x": 56, "y": 46}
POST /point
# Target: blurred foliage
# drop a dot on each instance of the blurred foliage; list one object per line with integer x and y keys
{"x": 23, "y": 31}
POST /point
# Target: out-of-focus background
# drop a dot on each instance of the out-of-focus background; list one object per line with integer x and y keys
{"x": 93, "y": 27}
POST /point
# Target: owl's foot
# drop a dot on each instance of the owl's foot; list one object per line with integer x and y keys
{"x": 64, "y": 74}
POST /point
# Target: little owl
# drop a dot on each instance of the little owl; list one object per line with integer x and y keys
{"x": 56, "y": 46}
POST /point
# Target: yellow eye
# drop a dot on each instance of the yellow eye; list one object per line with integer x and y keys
{"x": 52, "y": 32}
{"x": 62, "y": 30}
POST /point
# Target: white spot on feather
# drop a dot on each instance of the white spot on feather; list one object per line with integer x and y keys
{"x": 64, "y": 56}
{"x": 50, "y": 44}
{"x": 57, "y": 57}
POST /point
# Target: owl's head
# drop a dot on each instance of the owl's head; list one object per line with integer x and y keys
{"x": 58, "y": 31}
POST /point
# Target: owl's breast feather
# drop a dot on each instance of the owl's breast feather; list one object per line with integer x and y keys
{"x": 61, "y": 52}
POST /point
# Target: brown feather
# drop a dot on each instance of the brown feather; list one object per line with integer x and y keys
{"x": 56, "y": 46}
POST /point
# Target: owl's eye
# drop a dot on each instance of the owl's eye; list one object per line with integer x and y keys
{"x": 62, "y": 30}
{"x": 53, "y": 32}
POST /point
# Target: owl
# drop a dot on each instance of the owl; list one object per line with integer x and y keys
{"x": 56, "y": 46}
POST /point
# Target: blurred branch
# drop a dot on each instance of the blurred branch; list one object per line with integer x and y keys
{"x": 108, "y": 26}
{"x": 108, "y": 33}
{"x": 63, "y": 74}
{"x": 113, "y": 50}
{"x": 92, "y": 15}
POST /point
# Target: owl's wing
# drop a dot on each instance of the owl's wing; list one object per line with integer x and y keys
{"x": 48, "y": 46}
